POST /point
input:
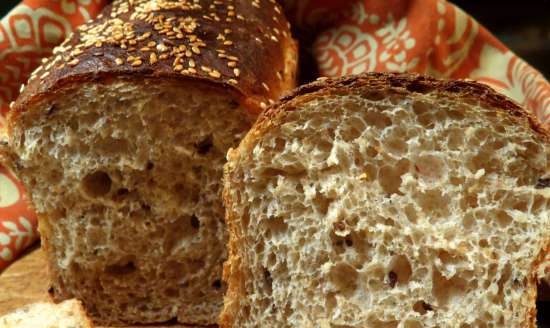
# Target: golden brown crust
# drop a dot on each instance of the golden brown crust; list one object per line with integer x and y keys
{"x": 239, "y": 45}
{"x": 467, "y": 91}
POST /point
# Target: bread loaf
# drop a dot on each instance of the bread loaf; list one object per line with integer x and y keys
{"x": 387, "y": 200}
{"x": 120, "y": 139}
{"x": 67, "y": 314}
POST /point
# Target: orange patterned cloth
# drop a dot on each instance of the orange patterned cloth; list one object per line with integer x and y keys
{"x": 426, "y": 36}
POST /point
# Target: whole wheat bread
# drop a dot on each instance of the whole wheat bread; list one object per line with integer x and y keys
{"x": 120, "y": 139}
{"x": 387, "y": 201}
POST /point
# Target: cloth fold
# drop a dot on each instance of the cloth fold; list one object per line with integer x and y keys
{"x": 350, "y": 36}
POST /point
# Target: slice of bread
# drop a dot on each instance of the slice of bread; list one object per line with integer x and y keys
{"x": 120, "y": 140}
{"x": 67, "y": 314}
{"x": 387, "y": 201}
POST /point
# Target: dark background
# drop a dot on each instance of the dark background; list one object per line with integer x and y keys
{"x": 523, "y": 25}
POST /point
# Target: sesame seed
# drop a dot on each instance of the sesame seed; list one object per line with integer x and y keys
{"x": 206, "y": 69}
{"x": 98, "y": 44}
{"x": 232, "y": 64}
{"x": 119, "y": 61}
{"x": 274, "y": 38}
{"x": 232, "y": 81}
{"x": 137, "y": 62}
{"x": 178, "y": 68}
{"x": 192, "y": 70}
{"x": 196, "y": 50}
{"x": 237, "y": 72}
{"x": 153, "y": 58}
{"x": 191, "y": 63}
{"x": 263, "y": 105}
{"x": 266, "y": 87}
{"x": 227, "y": 42}
{"x": 73, "y": 62}
{"x": 215, "y": 74}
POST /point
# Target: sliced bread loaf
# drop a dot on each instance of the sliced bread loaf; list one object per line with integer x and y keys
{"x": 387, "y": 201}
{"x": 67, "y": 314}
{"x": 120, "y": 139}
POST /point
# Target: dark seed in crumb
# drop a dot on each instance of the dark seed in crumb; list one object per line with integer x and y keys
{"x": 195, "y": 223}
{"x": 204, "y": 146}
{"x": 392, "y": 276}
{"x": 427, "y": 306}
{"x": 543, "y": 183}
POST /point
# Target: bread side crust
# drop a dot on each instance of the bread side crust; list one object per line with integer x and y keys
{"x": 407, "y": 84}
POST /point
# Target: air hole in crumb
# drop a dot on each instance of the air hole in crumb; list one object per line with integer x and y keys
{"x": 390, "y": 180}
{"x": 121, "y": 269}
{"x": 97, "y": 184}
{"x": 276, "y": 225}
{"x": 483, "y": 243}
{"x": 444, "y": 290}
{"x": 401, "y": 269}
{"x": 422, "y": 307}
{"x": 217, "y": 284}
{"x": 150, "y": 165}
{"x": 503, "y": 219}
{"x": 420, "y": 107}
{"x": 344, "y": 277}
{"x": 204, "y": 146}
{"x": 377, "y": 119}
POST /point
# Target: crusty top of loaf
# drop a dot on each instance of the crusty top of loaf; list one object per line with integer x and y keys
{"x": 467, "y": 90}
{"x": 244, "y": 46}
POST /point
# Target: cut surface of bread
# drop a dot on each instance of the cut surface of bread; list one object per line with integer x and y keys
{"x": 67, "y": 314}
{"x": 387, "y": 201}
{"x": 126, "y": 177}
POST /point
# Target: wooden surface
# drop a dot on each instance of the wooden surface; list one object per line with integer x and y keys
{"x": 25, "y": 282}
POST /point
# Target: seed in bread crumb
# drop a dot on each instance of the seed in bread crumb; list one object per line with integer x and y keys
{"x": 119, "y": 61}
{"x": 392, "y": 279}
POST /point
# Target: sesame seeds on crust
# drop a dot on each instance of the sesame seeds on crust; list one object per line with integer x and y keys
{"x": 232, "y": 39}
